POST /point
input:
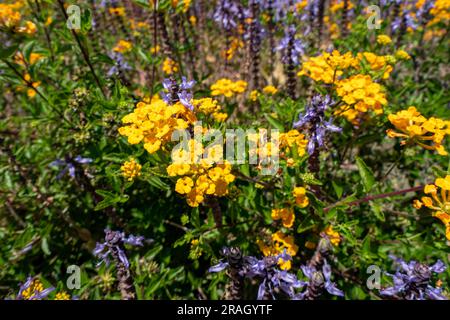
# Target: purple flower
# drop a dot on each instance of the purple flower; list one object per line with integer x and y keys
{"x": 69, "y": 165}
{"x": 271, "y": 278}
{"x": 229, "y": 13}
{"x": 291, "y": 47}
{"x": 113, "y": 247}
{"x": 411, "y": 281}
{"x": 318, "y": 280}
{"x": 120, "y": 65}
{"x": 34, "y": 293}
{"x": 178, "y": 92}
{"x": 313, "y": 121}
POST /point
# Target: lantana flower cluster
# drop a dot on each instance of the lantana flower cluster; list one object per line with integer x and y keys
{"x": 438, "y": 199}
{"x": 153, "y": 123}
{"x": 414, "y": 128}
{"x": 228, "y": 88}
{"x": 200, "y": 176}
{"x": 279, "y": 243}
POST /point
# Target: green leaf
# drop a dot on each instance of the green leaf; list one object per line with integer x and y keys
{"x": 274, "y": 122}
{"x": 6, "y": 52}
{"x": 338, "y": 189}
{"x": 44, "y": 246}
{"x": 377, "y": 209}
{"x": 366, "y": 174}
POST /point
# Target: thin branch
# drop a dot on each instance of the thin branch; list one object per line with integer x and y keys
{"x": 83, "y": 50}
{"x": 374, "y": 197}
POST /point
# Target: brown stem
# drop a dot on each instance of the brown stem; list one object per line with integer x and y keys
{"x": 375, "y": 197}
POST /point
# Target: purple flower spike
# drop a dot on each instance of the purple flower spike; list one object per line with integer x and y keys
{"x": 411, "y": 281}
{"x": 314, "y": 122}
{"x": 114, "y": 247}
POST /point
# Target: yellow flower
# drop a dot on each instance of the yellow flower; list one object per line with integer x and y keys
{"x": 327, "y": 67}
{"x": 235, "y": 44}
{"x": 286, "y": 215}
{"x": 169, "y": 66}
{"x": 439, "y": 202}
{"x": 34, "y": 57}
{"x": 153, "y": 123}
{"x": 377, "y": 63}
{"x": 131, "y": 169}
{"x": 334, "y": 236}
{"x": 254, "y": 95}
{"x": 29, "y": 28}
{"x": 220, "y": 116}
{"x": 155, "y": 49}
{"x": 48, "y": 21}
{"x": 184, "y": 185}
{"x": 300, "y": 197}
{"x": 401, "y": 54}
{"x": 123, "y": 46}
{"x": 29, "y": 86}
{"x": 270, "y": 90}
{"x": 33, "y": 290}
{"x": 193, "y": 20}
{"x": 118, "y": 11}
{"x": 278, "y": 243}
{"x": 415, "y": 128}
{"x": 383, "y": 39}
{"x": 228, "y": 88}
{"x": 293, "y": 138}
{"x": 9, "y": 17}
{"x": 62, "y": 296}
{"x": 360, "y": 92}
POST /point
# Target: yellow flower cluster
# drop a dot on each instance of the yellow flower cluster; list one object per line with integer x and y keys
{"x": 123, "y": 46}
{"x": 377, "y": 63}
{"x": 361, "y": 93}
{"x": 301, "y": 199}
{"x": 131, "y": 169}
{"x": 153, "y": 123}
{"x": 228, "y": 88}
{"x": 328, "y": 66}
{"x": 201, "y": 176}
{"x": 294, "y": 138}
{"x": 441, "y": 205}
{"x": 9, "y": 16}
{"x": 235, "y": 45}
{"x": 34, "y": 288}
{"x": 333, "y": 235}
{"x": 440, "y": 12}
{"x": 337, "y": 5}
{"x": 62, "y": 296}
{"x": 402, "y": 54}
{"x": 209, "y": 106}
{"x": 270, "y": 90}
{"x": 29, "y": 28}
{"x": 169, "y": 66}
{"x": 286, "y": 215}
{"x": 383, "y": 39}
{"x": 415, "y": 128}
{"x": 117, "y": 11}
{"x": 278, "y": 243}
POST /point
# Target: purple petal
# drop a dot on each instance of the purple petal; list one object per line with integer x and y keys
{"x": 218, "y": 267}
{"x": 438, "y": 267}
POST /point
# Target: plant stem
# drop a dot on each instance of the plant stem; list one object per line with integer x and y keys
{"x": 83, "y": 50}
{"x": 374, "y": 197}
